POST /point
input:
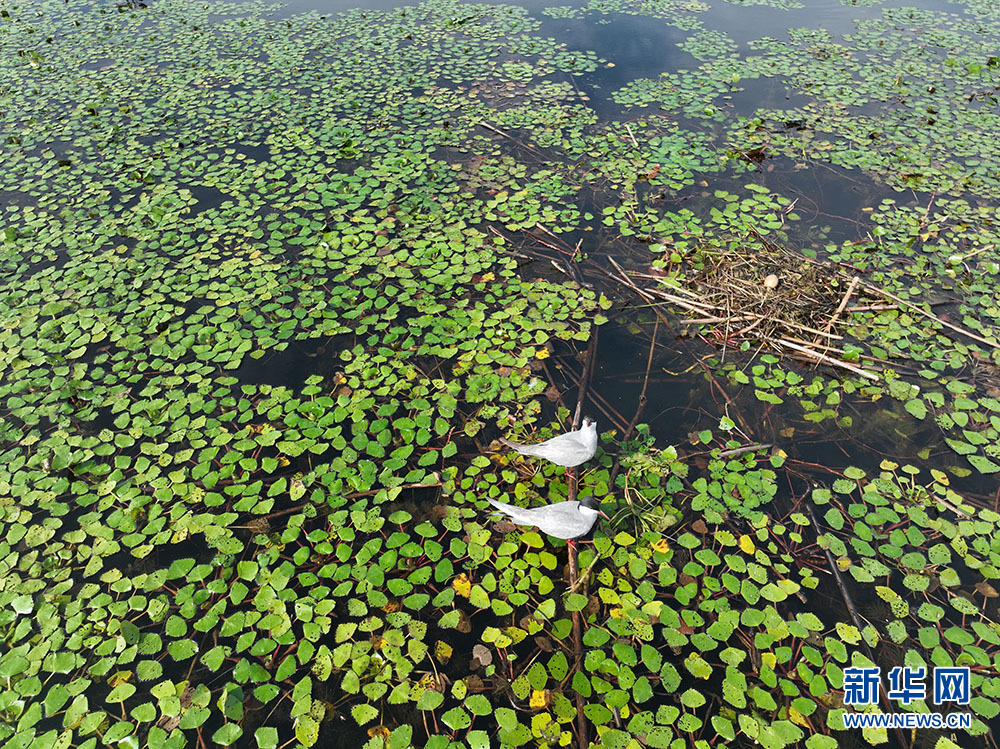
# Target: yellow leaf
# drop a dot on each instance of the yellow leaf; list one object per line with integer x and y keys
{"x": 442, "y": 651}
{"x": 462, "y": 585}
{"x": 615, "y": 613}
{"x": 660, "y": 545}
{"x": 543, "y": 354}
{"x": 843, "y": 563}
{"x": 120, "y": 677}
{"x": 539, "y": 699}
{"x": 489, "y": 276}
{"x": 381, "y": 731}
{"x": 769, "y": 659}
{"x": 798, "y": 718}
{"x": 747, "y": 545}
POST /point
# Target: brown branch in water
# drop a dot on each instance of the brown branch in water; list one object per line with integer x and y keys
{"x": 607, "y": 409}
{"x": 567, "y": 265}
{"x": 581, "y": 577}
{"x": 574, "y": 569}
{"x": 846, "y": 596}
{"x": 511, "y": 138}
{"x": 640, "y": 407}
{"x": 843, "y": 303}
{"x": 823, "y": 358}
{"x": 645, "y": 382}
{"x": 565, "y": 248}
{"x": 624, "y": 279}
{"x": 586, "y": 376}
{"x": 925, "y": 313}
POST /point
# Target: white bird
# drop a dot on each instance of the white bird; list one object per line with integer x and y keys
{"x": 566, "y": 520}
{"x": 567, "y": 450}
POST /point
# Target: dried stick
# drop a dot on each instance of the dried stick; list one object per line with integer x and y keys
{"x": 582, "y": 577}
{"x": 843, "y": 303}
{"x": 585, "y": 377}
{"x": 574, "y": 564}
{"x": 645, "y": 383}
{"x": 935, "y": 318}
{"x": 511, "y": 138}
{"x": 631, "y": 136}
{"x": 615, "y": 418}
{"x": 846, "y": 596}
{"x": 616, "y": 468}
{"x": 828, "y": 359}
{"x": 645, "y": 297}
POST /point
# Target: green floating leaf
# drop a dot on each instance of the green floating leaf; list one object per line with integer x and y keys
{"x": 430, "y": 700}
{"x": 456, "y": 718}
{"x": 983, "y": 464}
{"x": 364, "y": 713}
{"x": 121, "y": 693}
{"x": 576, "y": 602}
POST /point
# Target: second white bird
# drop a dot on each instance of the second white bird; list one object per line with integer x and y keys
{"x": 566, "y": 520}
{"x": 568, "y": 450}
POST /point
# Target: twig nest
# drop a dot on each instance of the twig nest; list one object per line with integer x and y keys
{"x": 771, "y": 281}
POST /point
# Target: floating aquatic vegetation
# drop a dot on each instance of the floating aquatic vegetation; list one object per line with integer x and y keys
{"x": 780, "y": 4}
{"x": 680, "y": 14}
{"x": 201, "y": 525}
{"x": 979, "y": 8}
{"x": 690, "y": 93}
{"x": 707, "y": 44}
{"x": 928, "y": 72}
{"x": 259, "y": 307}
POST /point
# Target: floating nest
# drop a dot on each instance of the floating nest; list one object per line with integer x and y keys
{"x": 752, "y": 290}
{"x": 765, "y": 294}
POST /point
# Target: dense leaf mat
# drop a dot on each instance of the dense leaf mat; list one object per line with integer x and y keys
{"x": 259, "y": 306}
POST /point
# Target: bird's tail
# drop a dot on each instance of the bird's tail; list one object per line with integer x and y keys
{"x": 523, "y": 449}
{"x": 513, "y": 512}
{"x": 502, "y": 506}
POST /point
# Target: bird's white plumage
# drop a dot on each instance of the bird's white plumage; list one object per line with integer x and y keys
{"x": 568, "y": 450}
{"x": 566, "y": 520}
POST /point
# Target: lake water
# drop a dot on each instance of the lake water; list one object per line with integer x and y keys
{"x": 275, "y": 278}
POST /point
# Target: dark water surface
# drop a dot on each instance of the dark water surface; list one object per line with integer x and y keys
{"x": 650, "y": 368}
